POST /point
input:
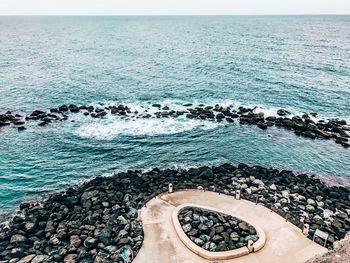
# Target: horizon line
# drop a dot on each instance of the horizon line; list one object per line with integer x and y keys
{"x": 150, "y": 15}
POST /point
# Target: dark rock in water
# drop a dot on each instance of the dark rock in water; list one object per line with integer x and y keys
{"x": 304, "y": 125}
{"x": 102, "y": 114}
{"x": 289, "y": 124}
{"x": 323, "y": 134}
{"x": 202, "y": 116}
{"x": 246, "y": 119}
{"x": 242, "y": 110}
{"x": 3, "y": 123}
{"x": 74, "y": 108}
{"x": 344, "y": 134}
{"x": 345, "y": 144}
{"x": 114, "y": 111}
{"x": 341, "y": 140}
{"x": 342, "y": 122}
{"x": 98, "y": 110}
{"x": 63, "y": 108}
{"x": 24, "y": 205}
{"x": 37, "y": 113}
{"x": 220, "y": 116}
{"x": 308, "y": 134}
{"x": 43, "y": 123}
{"x": 269, "y": 123}
{"x": 262, "y": 125}
{"x": 282, "y": 112}
{"x": 271, "y": 118}
{"x": 18, "y": 122}
{"x": 242, "y": 166}
{"x": 157, "y": 105}
{"x": 21, "y": 128}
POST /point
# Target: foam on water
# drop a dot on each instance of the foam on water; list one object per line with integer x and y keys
{"x": 111, "y": 128}
{"x": 143, "y": 107}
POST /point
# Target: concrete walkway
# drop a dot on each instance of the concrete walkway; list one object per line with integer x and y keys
{"x": 284, "y": 241}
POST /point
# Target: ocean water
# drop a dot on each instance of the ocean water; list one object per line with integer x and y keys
{"x": 300, "y": 63}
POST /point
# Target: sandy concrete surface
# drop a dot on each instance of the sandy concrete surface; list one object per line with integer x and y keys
{"x": 340, "y": 253}
{"x": 284, "y": 241}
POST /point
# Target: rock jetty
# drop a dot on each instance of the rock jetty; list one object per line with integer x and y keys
{"x": 96, "y": 220}
{"x": 306, "y": 125}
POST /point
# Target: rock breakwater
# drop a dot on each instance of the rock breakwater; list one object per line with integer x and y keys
{"x": 305, "y": 125}
{"x": 95, "y": 221}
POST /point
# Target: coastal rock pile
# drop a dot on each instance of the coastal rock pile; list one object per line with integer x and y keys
{"x": 89, "y": 224}
{"x": 305, "y": 125}
{"x": 214, "y": 231}
{"x": 93, "y": 221}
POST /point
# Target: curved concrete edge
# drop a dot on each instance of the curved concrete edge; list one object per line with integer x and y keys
{"x": 214, "y": 255}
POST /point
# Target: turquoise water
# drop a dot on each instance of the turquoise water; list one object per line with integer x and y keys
{"x": 300, "y": 63}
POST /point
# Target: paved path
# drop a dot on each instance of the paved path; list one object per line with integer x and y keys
{"x": 284, "y": 241}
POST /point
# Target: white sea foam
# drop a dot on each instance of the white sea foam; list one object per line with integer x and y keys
{"x": 113, "y": 127}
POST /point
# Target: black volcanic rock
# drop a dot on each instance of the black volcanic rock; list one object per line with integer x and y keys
{"x": 215, "y": 231}
{"x": 104, "y": 210}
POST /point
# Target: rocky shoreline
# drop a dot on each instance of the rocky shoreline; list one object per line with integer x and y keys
{"x": 94, "y": 221}
{"x": 214, "y": 231}
{"x": 306, "y": 125}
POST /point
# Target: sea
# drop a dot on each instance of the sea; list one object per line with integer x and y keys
{"x": 297, "y": 63}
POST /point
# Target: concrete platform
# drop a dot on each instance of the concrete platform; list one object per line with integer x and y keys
{"x": 284, "y": 241}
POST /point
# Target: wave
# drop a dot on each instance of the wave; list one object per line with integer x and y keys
{"x": 113, "y": 127}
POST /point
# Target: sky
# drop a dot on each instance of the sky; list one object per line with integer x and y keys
{"x": 172, "y": 7}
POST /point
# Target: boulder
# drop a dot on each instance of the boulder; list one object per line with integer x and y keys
{"x": 70, "y": 258}
{"x": 26, "y": 259}
{"x": 63, "y": 108}
{"x": 74, "y": 108}
{"x": 18, "y": 238}
{"x": 282, "y": 112}
{"x": 90, "y": 242}
{"x": 206, "y": 173}
{"x": 75, "y": 240}
{"x": 41, "y": 259}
